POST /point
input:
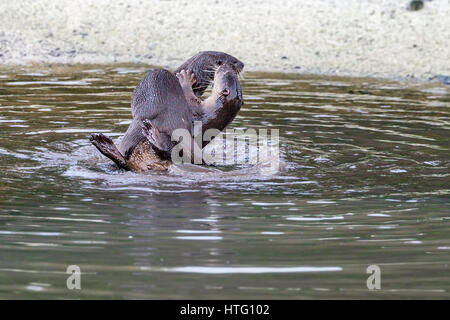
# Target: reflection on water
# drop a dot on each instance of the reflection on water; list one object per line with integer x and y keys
{"x": 365, "y": 180}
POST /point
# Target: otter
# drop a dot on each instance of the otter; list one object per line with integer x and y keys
{"x": 171, "y": 103}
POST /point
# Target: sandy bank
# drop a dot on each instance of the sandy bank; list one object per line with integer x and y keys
{"x": 345, "y": 37}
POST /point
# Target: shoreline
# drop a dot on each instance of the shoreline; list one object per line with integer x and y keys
{"x": 357, "y": 38}
{"x": 54, "y": 68}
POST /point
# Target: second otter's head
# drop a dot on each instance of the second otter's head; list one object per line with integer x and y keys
{"x": 204, "y": 63}
{"x": 226, "y": 83}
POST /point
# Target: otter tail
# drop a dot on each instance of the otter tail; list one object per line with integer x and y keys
{"x": 107, "y": 147}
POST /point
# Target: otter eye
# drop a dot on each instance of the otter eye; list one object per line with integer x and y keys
{"x": 219, "y": 62}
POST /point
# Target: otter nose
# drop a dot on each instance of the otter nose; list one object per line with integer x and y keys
{"x": 239, "y": 65}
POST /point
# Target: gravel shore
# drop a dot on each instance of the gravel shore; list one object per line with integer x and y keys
{"x": 382, "y": 38}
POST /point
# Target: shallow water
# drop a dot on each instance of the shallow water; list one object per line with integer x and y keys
{"x": 364, "y": 180}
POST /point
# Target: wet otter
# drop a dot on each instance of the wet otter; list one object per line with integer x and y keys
{"x": 164, "y": 108}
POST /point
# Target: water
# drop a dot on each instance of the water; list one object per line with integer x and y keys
{"x": 364, "y": 180}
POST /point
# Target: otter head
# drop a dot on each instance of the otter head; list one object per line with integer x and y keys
{"x": 216, "y": 59}
{"x": 204, "y": 63}
{"x": 226, "y": 84}
{"x": 225, "y": 101}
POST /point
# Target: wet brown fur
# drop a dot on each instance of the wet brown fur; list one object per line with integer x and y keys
{"x": 144, "y": 158}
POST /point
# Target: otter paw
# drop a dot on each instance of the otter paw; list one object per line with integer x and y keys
{"x": 150, "y": 132}
{"x": 159, "y": 139}
{"x": 186, "y": 78}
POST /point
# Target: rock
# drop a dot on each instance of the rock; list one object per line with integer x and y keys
{"x": 443, "y": 79}
{"x": 415, "y": 5}
{"x": 55, "y": 53}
